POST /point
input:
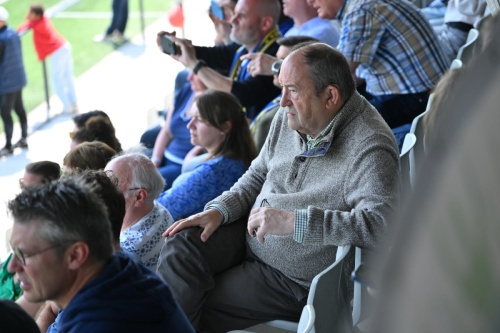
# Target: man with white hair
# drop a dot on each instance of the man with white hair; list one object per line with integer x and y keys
{"x": 144, "y": 220}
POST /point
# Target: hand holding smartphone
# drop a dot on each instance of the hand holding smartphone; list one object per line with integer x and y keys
{"x": 216, "y": 10}
{"x": 168, "y": 46}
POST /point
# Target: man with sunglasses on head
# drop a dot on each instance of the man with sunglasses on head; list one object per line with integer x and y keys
{"x": 64, "y": 253}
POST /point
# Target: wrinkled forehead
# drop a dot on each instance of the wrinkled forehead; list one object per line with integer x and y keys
{"x": 25, "y": 233}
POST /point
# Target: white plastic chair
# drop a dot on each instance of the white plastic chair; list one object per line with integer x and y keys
{"x": 325, "y": 311}
{"x": 456, "y": 63}
{"x": 418, "y": 151}
{"x": 466, "y": 52}
{"x": 404, "y": 161}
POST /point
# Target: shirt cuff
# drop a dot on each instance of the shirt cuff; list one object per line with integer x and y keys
{"x": 221, "y": 209}
{"x": 300, "y": 225}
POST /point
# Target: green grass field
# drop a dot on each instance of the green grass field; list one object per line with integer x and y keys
{"x": 78, "y": 24}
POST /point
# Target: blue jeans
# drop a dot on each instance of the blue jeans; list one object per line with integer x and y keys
{"x": 62, "y": 77}
{"x": 120, "y": 17}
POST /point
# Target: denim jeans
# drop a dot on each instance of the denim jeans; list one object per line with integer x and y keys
{"x": 62, "y": 77}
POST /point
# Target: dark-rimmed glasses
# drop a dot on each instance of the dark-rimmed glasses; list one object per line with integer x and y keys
{"x": 22, "y": 257}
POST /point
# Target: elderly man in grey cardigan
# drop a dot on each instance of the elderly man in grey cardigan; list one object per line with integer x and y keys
{"x": 327, "y": 176}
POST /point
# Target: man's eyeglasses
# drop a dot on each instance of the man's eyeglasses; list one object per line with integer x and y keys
{"x": 71, "y": 135}
{"x": 136, "y": 188}
{"x": 22, "y": 257}
{"x": 276, "y": 66}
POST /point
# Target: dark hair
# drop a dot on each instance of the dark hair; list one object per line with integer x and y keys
{"x": 106, "y": 187}
{"x": 47, "y": 170}
{"x": 67, "y": 210}
{"x": 81, "y": 119}
{"x": 328, "y": 66}
{"x": 290, "y": 41}
{"x": 217, "y": 107}
{"x": 14, "y": 319}
{"x": 89, "y": 155}
{"x": 37, "y": 8}
{"x": 98, "y": 128}
{"x": 82, "y": 136}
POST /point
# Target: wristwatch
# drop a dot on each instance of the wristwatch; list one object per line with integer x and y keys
{"x": 198, "y": 66}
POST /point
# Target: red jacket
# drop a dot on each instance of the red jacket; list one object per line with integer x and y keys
{"x": 45, "y": 36}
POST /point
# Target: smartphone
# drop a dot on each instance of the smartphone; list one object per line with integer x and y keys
{"x": 217, "y": 10}
{"x": 168, "y": 46}
{"x": 364, "y": 274}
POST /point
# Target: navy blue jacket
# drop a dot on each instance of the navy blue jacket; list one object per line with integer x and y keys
{"x": 125, "y": 297}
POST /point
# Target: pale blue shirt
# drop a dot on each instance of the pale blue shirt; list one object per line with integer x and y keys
{"x": 321, "y": 29}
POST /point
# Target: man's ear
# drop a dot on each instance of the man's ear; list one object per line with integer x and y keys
{"x": 140, "y": 197}
{"x": 266, "y": 23}
{"x": 77, "y": 255}
{"x": 333, "y": 99}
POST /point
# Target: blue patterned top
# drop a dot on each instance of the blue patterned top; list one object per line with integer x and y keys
{"x": 398, "y": 51}
{"x": 143, "y": 240}
{"x": 207, "y": 181}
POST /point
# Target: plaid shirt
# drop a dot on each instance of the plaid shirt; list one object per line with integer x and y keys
{"x": 398, "y": 51}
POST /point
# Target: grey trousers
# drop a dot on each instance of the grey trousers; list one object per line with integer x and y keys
{"x": 221, "y": 286}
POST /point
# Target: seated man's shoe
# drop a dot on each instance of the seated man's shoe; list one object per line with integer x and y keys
{"x": 6, "y": 151}
{"x": 21, "y": 144}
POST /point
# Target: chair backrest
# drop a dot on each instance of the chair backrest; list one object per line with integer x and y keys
{"x": 329, "y": 297}
{"x": 307, "y": 319}
{"x": 404, "y": 162}
{"x": 327, "y": 309}
{"x": 418, "y": 151}
{"x": 466, "y": 51}
{"x": 456, "y": 63}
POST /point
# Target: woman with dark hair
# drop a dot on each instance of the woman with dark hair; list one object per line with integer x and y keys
{"x": 96, "y": 128}
{"x": 219, "y": 125}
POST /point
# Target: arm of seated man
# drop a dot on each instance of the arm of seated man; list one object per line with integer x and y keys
{"x": 209, "y": 220}
{"x": 268, "y": 220}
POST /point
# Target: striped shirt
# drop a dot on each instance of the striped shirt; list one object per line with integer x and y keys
{"x": 398, "y": 51}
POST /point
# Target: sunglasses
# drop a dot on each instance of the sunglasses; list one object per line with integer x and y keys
{"x": 276, "y": 66}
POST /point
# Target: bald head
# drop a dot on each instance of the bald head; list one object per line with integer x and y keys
{"x": 135, "y": 170}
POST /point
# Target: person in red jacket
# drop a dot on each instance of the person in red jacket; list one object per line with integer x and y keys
{"x": 50, "y": 43}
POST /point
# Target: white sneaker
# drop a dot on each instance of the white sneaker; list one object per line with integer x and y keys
{"x": 103, "y": 39}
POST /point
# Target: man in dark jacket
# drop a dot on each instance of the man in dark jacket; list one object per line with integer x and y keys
{"x": 63, "y": 253}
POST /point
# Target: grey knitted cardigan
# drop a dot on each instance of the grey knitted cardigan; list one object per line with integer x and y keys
{"x": 350, "y": 191}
